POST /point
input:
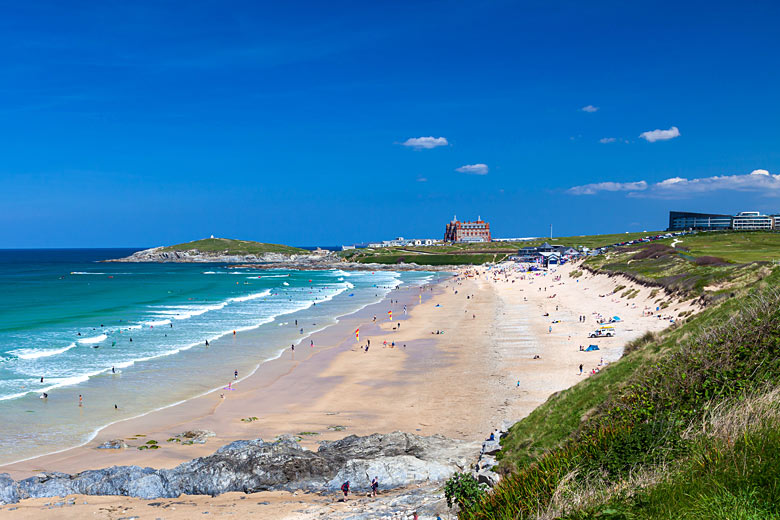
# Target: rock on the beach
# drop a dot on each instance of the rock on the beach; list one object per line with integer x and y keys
{"x": 397, "y": 458}
{"x": 195, "y": 436}
{"x": 8, "y": 493}
{"x": 114, "y": 444}
{"x": 392, "y": 472}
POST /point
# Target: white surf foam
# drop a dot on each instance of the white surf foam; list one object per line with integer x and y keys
{"x": 249, "y": 297}
{"x": 35, "y": 353}
{"x": 95, "y": 339}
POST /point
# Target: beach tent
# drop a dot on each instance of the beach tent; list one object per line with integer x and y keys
{"x": 616, "y": 318}
{"x": 592, "y": 347}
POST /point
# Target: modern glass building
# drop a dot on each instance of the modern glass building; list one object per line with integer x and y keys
{"x": 682, "y": 220}
{"x": 743, "y": 221}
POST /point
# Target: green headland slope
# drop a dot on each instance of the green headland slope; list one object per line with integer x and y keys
{"x": 686, "y": 425}
{"x": 229, "y": 246}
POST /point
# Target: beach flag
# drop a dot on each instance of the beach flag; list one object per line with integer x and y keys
{"x": 357, "y": 335}
{"x": 390, "y": 315}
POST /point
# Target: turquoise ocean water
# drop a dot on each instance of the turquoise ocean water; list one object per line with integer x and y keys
{"x": 134, "y": 334}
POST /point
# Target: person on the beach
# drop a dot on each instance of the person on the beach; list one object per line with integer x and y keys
{"x": 235, "y": 374}
{"x": 580, "y": 368}
{"x": 374, "y": 486}
{"x": 345, "y": 488}
{"x": 292, "y": 347}
{"x": 207, "y": 343}
{"x": 81, "y": 400}
{"x": 113, "y": 370}
{"x": 312, "y": 343}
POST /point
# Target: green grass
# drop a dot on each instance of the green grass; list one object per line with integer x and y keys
{"x": 231, "y": 246}
{"x": 685, "y": 272}
{"x": 733, "y": 246}
{"x": 554, "y": 421}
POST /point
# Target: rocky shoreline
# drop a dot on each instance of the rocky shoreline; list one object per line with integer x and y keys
{"x": 316, "y": 260}
{"x": 398, "y": 459}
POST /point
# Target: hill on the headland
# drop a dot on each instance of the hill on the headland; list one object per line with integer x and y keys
{"x": 231, "y": 246}
{"x": 686, "y": 424}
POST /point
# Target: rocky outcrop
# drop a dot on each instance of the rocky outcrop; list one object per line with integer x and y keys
{"x": 161, "y": 254}
{"x": 398, "y": 459}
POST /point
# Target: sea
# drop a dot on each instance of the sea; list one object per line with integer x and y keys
{"x": 134, "y": 335}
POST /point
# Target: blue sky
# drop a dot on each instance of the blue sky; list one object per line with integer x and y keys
{"x": 141, "y": 124}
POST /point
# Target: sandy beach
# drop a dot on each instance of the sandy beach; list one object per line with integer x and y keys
{"x": 507, "y": 341}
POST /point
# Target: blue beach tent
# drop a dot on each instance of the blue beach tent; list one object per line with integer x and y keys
{"x": 592, "y": 347}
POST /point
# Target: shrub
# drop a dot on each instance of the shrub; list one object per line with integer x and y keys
{"x": 464, "y": 490}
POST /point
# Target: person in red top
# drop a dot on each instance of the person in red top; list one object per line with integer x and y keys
{"x": 345, "y": 488}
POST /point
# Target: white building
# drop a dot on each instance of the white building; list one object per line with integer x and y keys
{"x": 752, "y": 220}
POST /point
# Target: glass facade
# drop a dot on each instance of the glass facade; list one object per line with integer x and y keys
{"x": 744, "y": 221}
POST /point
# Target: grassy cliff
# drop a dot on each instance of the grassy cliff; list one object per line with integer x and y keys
{"x": 229, "y": 246}
{"x": 685, "y": 425}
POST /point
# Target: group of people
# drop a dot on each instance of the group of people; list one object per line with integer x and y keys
{"x": 345, "y": 487}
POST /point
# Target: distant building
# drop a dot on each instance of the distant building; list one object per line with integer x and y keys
{"x": 680, "y": 220}
{"x": 751, "y": 220}
{"x": 743, "y": 221}
{"x": 473, "y": 231}
{"x": 546, "y": 254}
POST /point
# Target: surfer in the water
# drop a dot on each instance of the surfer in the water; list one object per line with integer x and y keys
{"x": 207, "y": 343}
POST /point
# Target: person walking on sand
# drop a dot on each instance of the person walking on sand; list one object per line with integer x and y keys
{"x": 580, "y": 368}
{"x": 345, "y": 488}
{"x": 374, "y": 486}
{"x": 235, "y": 374}
{"x": 81, "y": 400}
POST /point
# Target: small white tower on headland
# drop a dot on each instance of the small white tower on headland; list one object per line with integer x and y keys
{"x": 212, "y": 236}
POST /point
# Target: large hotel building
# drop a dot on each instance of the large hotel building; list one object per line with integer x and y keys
{"x": 743, "y": 221}
{"x": 474, "y": 231}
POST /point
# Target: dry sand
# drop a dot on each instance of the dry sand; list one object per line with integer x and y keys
{"x": 462, "y": 383}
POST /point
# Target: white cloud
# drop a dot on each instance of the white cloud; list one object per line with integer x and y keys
{"x": 605, "y": 140}
{"x": 592, "y": 189}
{"x": 422, "y": 179}
{"x": 425, "y": 142}
{"x": 652, "y": 136}
{"x": 474, "y": 169}
{"x": 757, "y": 181}
{"x": 589, "y": 108}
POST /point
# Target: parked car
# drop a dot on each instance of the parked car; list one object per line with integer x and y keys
{"x": 602, "y": 333}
